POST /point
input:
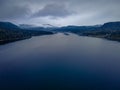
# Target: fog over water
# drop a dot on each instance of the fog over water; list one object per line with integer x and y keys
{"x": 60, "y": 62}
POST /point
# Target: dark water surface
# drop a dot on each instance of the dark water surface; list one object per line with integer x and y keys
{"x": 60, "y": 62}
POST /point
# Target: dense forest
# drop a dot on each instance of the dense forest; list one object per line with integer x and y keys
{"x": 110, "y": 30}
{"x": 10, "y": 32}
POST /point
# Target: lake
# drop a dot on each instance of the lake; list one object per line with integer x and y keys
{"x": 60, "y": 62}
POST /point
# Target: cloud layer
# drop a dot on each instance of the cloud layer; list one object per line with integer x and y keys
{"x": 53, "y": 10}
{"x": 60, "y": 12}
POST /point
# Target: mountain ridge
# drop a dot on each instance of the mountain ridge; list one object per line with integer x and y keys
{"x": 10, "y": 32}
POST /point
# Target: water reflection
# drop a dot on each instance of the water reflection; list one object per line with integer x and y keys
{"x": 60, "y": 62}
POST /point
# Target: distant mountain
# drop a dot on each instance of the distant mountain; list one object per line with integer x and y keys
{"x": 48, "y": 26}
{"x": 111, "y": 26}
{"x": 26, "y": 26}
{"x": 110, "y": 30}
{"x": 8, "y": 25}
{"x": 43, "y": 27}
{"x": 31, "y": 27}
{"x": 10, "y": 32}
{"x": 76, "y": 29}
{"x": 107, "y": 26}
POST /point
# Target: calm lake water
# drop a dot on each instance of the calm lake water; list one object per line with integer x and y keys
{"x": 60, "y": 62}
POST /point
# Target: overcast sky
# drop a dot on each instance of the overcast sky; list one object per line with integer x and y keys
{"x": 60, "y": 12}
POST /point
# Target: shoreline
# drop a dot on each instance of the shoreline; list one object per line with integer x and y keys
{"x": 19, "y": 39}
{"x": 15, "y": 40}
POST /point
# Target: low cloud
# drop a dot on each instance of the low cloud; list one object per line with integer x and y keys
{"x": 10, "y": 10}
{"x": 53, "y": 10}
{"x": 14, "y": 13}
{"x": 60, "y": 12}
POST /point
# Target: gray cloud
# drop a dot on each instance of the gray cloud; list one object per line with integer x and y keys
{"x": 12, "y": 10}
{"x": 54, "y": 10}
{"x": 14, "y": 13}
{"x": 76, "y": 12}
